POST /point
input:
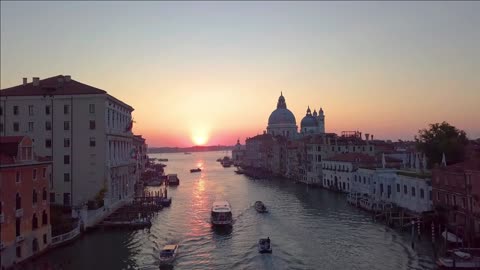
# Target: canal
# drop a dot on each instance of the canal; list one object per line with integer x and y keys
{"x": 310, "y": 228}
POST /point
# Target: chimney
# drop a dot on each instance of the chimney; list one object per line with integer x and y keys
{"x": 366, "y": 136}
{"x": 67, "y": 78}
{"x": 25, "y": 81}
{"x": 371, "y": 137}
{"x": 36, "y": 81}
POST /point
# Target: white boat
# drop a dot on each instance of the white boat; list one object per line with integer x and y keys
{"x": 168, "y": 254}
{"x": 221, "y": 214}
{"x": 467, "y": 258}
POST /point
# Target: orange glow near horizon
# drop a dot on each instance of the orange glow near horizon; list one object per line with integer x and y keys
{"x": 199, "y": 136}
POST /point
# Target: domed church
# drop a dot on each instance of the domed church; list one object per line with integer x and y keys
{"x": 313, "y": 123}
{"x": 282, "y": 121}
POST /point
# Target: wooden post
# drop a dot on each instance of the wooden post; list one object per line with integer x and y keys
{"x": 413, "y": 233}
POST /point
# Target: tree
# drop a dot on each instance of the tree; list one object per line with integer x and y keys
{"x": 442, "y": 138}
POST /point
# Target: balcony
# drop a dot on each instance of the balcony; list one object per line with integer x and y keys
{"x": 19, "y": 239}
{"x": 19, "y": 212}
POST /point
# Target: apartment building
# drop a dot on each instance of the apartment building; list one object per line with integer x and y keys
{"x": 24, "y": 208}
{"x": 84, "y": 130}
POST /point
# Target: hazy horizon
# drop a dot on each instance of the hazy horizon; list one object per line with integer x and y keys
{"x": 212, "y": 72}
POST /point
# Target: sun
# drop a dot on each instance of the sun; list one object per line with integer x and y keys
{"x": 199, "y": 139}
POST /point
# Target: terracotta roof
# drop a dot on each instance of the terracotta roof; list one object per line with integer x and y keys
{"x": 52, "y": 86}
{"x": 352, "y": 157}
{"x": 9, "y": 145}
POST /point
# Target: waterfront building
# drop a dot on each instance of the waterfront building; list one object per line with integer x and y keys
{"x": 282, "y": 121}
{"x": 24, "y": 206}
{"x": 338, "y": 171}
{"x": 141, "y": 158}
{"x": 238, "y": 153}
{"x": 456, "y": 194}
{"x": 86, "y": 132}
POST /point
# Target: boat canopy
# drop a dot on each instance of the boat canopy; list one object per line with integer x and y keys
{"x": 169, "y": 248}
{"x": 452, "y": 237}
{"x": 221, "y": 206}
{"x": 462, "y": 255}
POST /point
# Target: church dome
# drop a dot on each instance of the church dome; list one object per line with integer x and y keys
{"x": 308, "y": 120}
{"x": 281, "y": 115}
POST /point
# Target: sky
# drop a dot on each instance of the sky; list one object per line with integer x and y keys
{"x": 212, "y": 72}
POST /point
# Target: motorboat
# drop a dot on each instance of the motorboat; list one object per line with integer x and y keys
{"x": 172, "y": 180}
{"x": 463, "y": 258}
{"x": 168, "y": 254}
{"x": 165, "y": 202}
{"x": 260, "y": 207}
{"x": 239, "y": 171}
{"x": 219, "y": 160}
{"x": 153, "y": 183}
{"x": 162, "y": 159}
{"x": 195, "y": 170}
{"x": 221, "y": 214}
{"x": 226, "y": 162}
{"x": 264, "y": 245}
{"x": 187, "y": 153}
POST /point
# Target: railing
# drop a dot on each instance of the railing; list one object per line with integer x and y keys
{"x": 59, "y": 239}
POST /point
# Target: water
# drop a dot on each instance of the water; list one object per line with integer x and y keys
{"x": 309, "y": 229}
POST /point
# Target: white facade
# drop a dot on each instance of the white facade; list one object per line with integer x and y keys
{"x": 85, "y": 133}
{"x": 394, "y": 186}
{"x": 337, "y": 175}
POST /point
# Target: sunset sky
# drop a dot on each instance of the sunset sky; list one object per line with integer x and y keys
{"x": 214, "y": 70}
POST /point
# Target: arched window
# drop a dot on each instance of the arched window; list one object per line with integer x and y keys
{"x": 18, "y": 201}
{"x": 34, "y": 197}
{"x": 44, "y": 194}
{"x": 34, "y": 222}
{"x": 35, "y": 245}
{"x": 44, "y": 218}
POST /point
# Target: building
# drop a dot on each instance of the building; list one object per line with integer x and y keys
{"x": 140, "y": 155}
{"x": 313, "y": 123}
{"x": 238, "y": 153}
{"x": 282, "y": 121}
{"x": 85, "y": 131}
{"x": 456, "y": 194}
{"x": 24, "y": 207}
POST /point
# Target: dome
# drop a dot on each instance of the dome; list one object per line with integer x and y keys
{"x": 281, "y": 116}
{"x": 308, "y": 121}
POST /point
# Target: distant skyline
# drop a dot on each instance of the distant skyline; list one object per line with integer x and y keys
{"x": 214, "y": 70}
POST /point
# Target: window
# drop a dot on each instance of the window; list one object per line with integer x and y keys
{"x": 66, "y": 177}
{"x": 17, "y": 177}
{"x": 18, "y": 251}
{"x": 1, "y": 110}
{"x": 18, "y": 223}
{"x": 30, "y": 126}
{"x": 34, "y": 196}
{"x": 66, "y": 159}
{"x": 92, "y": 124}
{"x": 66, "y": 142}
{"x": 447, "y": 199}
{"x": 44, "y": 172}
{"x": 30, "y": 110}
{"x": 438, "y": 196}
{"x": 66, "y": 198}
{"x": 422, "y": 193}
{"x": 48, "y": 125}
{"x": 34, "y": 174}
{"x": 66, "y": 109}
{"x": 15, "y": 110}
{"x": 464, "y": 203}
{"x": 454, "y": 200}
{"x": 16, "y": 126}
{"x": 52, "y": 197}
{"x": 398, "y": 187}
{"x": 1, "y": 127}
{"x": 413, "y": 191}
{"x": 66, "y": 125}
{"x": 18, "y": 202}
{"x": 44, "y": 238}
{"x": 430, "y": 195}
{"x": 34, "y": 222}
{"x": 91, "y": 108}
{"x": 47, "y": 110}
{"x": 48, "y": 143}
{"x": 92, "y": 142}
{"x": 44, "y": 218}
{"x": 44, "y": 194}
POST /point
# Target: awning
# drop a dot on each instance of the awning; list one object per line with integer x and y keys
{"x": 452, "y": 238}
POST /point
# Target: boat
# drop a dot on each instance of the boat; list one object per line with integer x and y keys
{"x": 463, "y": 258}
{"x": 162, "y": 159}
{"x": 172, "y": 180}
{"x": 264, "y": 245}
{"x": 221, "y": 214}
{"x": 168, "y": 254}
{"x": 260, "y": 207}
{"x": 133, "y": 224}
{"x": 226, "y": 162}
{"x": 165, "y": 202}
{"x": 239, "y": 171}
{"x": 153, "y": 183}
{"x": 187, "y": 153}
{"x": 195, "y": 170}
{"x": 219, "y": 159}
